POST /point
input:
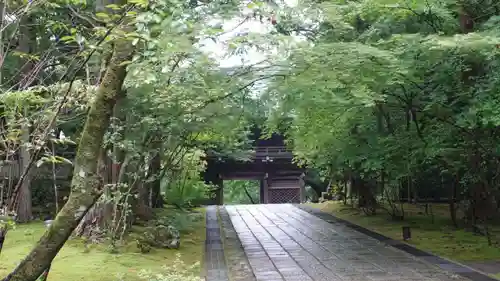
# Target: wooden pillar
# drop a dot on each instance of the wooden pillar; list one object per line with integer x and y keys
{"x": 261, "y": 191}
{"x": 265, "y": 182}
{"x": 219, "y": 192}
{"x": 302, "y": 191}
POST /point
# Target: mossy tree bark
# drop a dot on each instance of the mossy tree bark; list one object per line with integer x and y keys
{"x": 92, "y": 218}
{"x": 86, "y": 186}
{"x": 99, "y": 219}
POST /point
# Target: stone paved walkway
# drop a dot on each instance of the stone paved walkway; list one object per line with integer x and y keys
{"x": 285, "y": 243}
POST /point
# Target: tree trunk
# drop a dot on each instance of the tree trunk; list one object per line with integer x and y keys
{"x": 453, "y": 209}
{"x": 24, "y": 212}
{"x": 141, "y": 208}
{"x": 101, "y": 218}
{"x": 248, "y": 195}
{"x": 466, "y": 21}
{"x": 86, "y": 186}
{"x": 105, "y": 216}
{"x": 27, "y": 46}
{"x": 94, "y": 219}
{"x": 366, "y": 198}
{"x": 3, "y": 235}
{"x": 156, "y": 198}
{"x": 345, "y": 192}
{"x": 27, "y": 43}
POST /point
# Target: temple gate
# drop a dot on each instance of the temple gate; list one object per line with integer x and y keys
{"x": 271, "y": 164}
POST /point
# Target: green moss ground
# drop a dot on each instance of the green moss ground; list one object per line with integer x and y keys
{"x": 76, "y": 263}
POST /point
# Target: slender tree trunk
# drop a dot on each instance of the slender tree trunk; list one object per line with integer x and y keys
{"x": 3, "y": 235}
{"x": 24, "y": 212}
{"x": 156, "y": 198}
{"x": 408, "y": 187}
{"x": 2, "y": 186}
{"x": 54, "y": 180}
{"x": 141, "y": 208}
{"x": 345, "y": 192}
{"x": 86, "y": 186}
{"x": 3, "y": 125}
{"x": 453, "y": 209}
{"x": 248, "y": 195}
{"x": 27, "y": 44}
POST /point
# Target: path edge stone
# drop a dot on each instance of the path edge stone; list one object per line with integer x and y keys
{"x": 441, "y": 262}
{"x": 215, "y": 268}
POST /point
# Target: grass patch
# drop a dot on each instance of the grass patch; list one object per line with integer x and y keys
{"x": 439, "y": 238}
{"x": 75, "y": 263}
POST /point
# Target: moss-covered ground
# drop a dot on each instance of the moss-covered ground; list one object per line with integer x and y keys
{"x": 76, "y": 262}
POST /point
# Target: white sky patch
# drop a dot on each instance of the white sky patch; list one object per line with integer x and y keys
{"x": 233, "y": 28}
{"x": 219, "y": 50}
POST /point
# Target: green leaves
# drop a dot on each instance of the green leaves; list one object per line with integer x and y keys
{"x": 141, "y": 3}
{"x": 390, "y": 85}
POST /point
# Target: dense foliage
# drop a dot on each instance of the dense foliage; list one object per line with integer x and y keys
{"x": 241, "y": 192}
{"x": 400, "y": 99}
